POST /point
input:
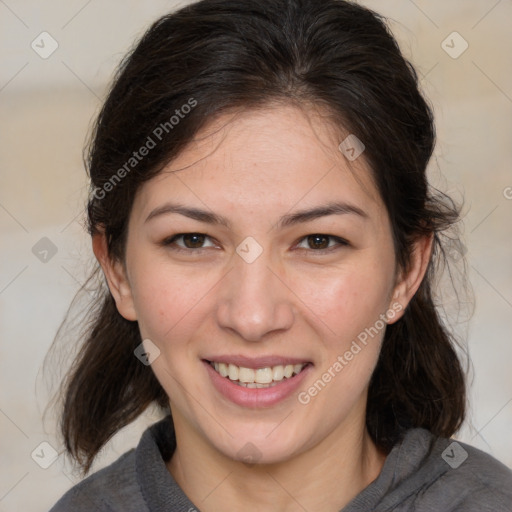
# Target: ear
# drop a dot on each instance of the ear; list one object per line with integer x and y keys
{"x": 115, "y": 274}
{"x": 407, "y": 284}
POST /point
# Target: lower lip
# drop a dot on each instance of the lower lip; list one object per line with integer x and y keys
{"x": 256, "y": 397}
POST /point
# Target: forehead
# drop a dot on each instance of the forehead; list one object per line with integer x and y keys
{"x": 264, "y": 159}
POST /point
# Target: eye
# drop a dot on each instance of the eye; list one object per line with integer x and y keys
{"x": 319, "y": 242}
{"x": 184, "y": 241}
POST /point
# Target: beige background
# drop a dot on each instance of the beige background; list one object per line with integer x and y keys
{"x": 45, "y": 110}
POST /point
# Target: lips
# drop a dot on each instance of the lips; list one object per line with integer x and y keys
{"x": 255, "y": 362}
{"x": 256, "y": 383}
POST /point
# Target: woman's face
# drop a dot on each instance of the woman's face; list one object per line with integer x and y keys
{"x": 287, "y": 265}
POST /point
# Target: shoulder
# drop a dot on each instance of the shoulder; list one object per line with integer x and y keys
{"x": 129, "y": 483}
{"x": 484, "y": 483}
{"x": 467, "y": 479}
{"x": 113, "y": 488}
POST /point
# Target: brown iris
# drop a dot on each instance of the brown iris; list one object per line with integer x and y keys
{"x": 318, "y": 241}
{"x": 193, "y": 240}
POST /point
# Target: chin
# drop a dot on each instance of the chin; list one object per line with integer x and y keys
{"x": 260, "y": 447}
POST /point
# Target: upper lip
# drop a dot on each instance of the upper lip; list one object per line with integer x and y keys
{"x": 256, "y": 362}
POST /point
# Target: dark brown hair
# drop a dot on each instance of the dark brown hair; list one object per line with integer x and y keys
{"x": 220, "y": 55}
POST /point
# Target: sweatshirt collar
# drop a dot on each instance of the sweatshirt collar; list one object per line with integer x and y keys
{"x": 413, "y": 462}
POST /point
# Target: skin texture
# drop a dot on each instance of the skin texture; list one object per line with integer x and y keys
{"x": 294, "y": 300}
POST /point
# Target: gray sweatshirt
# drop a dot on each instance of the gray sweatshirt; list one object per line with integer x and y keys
{"x": 422, "y": 473}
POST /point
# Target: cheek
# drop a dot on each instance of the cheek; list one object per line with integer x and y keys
{"x": 167, "y": 298}
{"x": 348, "y": 300}
{"x": 347, "y": 310}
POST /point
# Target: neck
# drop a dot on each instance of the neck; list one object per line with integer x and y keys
{"x": 325, "y": 477}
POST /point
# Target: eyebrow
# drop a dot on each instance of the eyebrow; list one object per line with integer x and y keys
{"x": 335, "y": 208}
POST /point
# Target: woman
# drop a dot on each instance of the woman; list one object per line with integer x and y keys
{"x": 260, "y": 210}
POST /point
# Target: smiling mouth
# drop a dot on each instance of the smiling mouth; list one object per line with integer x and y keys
{"x": 257, "y": 378}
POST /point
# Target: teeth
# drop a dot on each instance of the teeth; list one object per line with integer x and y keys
{"x": 222, "y": 369}
{"x": 264, "y": 375}
{"x": 278, "y": 372}
{"x": 245, "y": 374}
{"x": 259, "y": 378}
{"x": 233, "y": 372}
{"x": 255, "y": 384}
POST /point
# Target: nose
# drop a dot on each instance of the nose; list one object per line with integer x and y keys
{"x": 254, "y": 300}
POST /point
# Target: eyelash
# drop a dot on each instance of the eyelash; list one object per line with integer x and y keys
{"x": 171, "y": 243}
